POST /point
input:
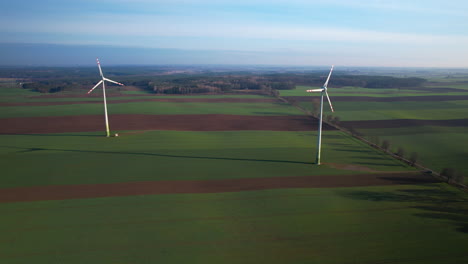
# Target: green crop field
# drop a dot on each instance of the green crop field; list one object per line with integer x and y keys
{"x": 419, "y": 223}
{"x": 428, "y": 110}
{"x": 81, "y": 158}
{"x": 162, "y": 108}
{"x": 437, "y": 147}
{"x": 402, "y": 224}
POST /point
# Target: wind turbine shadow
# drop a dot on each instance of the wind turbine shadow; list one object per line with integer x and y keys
{"x": 158, "y": 155}
{"x": 52, "y": 135}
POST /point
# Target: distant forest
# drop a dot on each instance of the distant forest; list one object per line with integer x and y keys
{"x": 172, "y": 81}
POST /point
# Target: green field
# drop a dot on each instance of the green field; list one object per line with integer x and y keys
{"x": 151, "y": 108}
{"x": 402, "y": 224}
{"x": 425, "y": 223}
{"x": 378, "y": 92}
{"x": 351, "y": 111}
{"x": 83, "y": 158}
{"x": 437, "y": 147}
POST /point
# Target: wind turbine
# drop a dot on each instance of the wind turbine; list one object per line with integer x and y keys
{"x": 104, "y": 94}
{"x": 323, "y": 91}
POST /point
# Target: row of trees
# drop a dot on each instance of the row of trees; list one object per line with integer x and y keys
{"x": 452, "y": 175}
{"x": 365, "y": 81}
{"x": 49, "y": 86}
{"x": 200, "y": 83}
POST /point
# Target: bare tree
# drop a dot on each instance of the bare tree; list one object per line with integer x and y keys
{"x": 413, "y": 158}
{"x": 459, "y": 177}
{"x": 385, "y": 144}
{"x": 336, "y": 120}
{"x": 292, "y": 101}
{"x": 377, "y": 140}
{"x": 400, "y": 152}
{"x": 449, "y": 173}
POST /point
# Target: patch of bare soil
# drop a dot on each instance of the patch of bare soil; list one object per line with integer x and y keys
{"x": 425, "y": 98}
{"x": 351, "y": 167}
{"x": 396, "y": 123}
{"x": 212, "y": 122}
{"x": 63, "y": 192}
{"x": 173, "y": 100}
{"x": 98, "y": 94}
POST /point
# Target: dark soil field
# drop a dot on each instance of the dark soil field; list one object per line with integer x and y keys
{"x": 211, "y": 122}
{"x": 172, "y": 100}
{"x": 423, "y": 98}
{"x": 396, "y": 123}
{"x": 63, "y": 192}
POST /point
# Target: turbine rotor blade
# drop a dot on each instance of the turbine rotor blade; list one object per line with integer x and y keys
{"x": 315, "y": 90}
{"x": 95, "y": 86}
{"x": 109, "y": 80}
{"x": 331, "y": 106}
{"x": 328, "y": 78}
{"x": 99, "y": 65}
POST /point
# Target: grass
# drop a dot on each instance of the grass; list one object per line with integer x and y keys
{"x": 83, "y": 158}
{"x": 427, "y": 110}
{"x": 373, "y": 92}
{"x": 438, "y": 147}
{"x": 391, "y": 224}
{"x": 432, "y": 143}
{"x": 98, "y": 97}
{"x": 151, "y": 108}
{"x": 396, "y": 224}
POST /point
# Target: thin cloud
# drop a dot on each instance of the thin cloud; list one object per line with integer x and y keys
{"x": 170, "y": 26}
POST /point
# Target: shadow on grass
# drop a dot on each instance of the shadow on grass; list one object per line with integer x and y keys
{"x": 434, "y": 202}
{"x": 408, "y": 180}
{"x": 54, "y": 135}
{"x": 353, "y": 150}
{"x": 338, "y": 144}
{"x": 372, "y": 157}
{"x": 377, "y": 163}
{"x": 273, "y": 113}
{"x": 22, "y": 150}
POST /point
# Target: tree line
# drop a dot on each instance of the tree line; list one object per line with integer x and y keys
{"x": 216, "y": 83}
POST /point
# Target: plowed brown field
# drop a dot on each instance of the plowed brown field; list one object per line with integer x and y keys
{"x": 212, "y": 122}
{"x": 172, "y": 100}
{"x": 63, "y": 192}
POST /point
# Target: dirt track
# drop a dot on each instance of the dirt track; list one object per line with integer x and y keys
{"x": 214, "y": 122}
{"x": 172, "y": 100}
{"x": 63, "y": 192}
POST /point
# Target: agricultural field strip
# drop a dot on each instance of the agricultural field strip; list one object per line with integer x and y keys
{"x": 119, "y": 101}
{"x": 356, "y": 98}
{"x": 397, "y": 123}
{"x": 194, "y": 122}
{"x": 381, "y": 92}
{"x": 205, "y": 156}
{"x": 155, "y": 108}
{"x": 361, "y": 112}
{"x": 273, "y": 221}
{"x": 63, "y": 192}
{"x": 112, "y": 96}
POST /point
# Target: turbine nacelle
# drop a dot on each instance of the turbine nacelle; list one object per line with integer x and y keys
{"x": 103, "y": 79}
{"x": 324, "y": 89}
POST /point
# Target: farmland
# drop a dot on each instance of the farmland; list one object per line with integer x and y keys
{"x": 214, "y": 178}
{"x": 431, "y": 121}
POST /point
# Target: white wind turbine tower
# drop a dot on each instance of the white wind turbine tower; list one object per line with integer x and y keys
{"x": 104, "y": 94}
{"x": 323, "y": 91}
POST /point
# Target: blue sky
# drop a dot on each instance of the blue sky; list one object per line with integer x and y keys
{"x": 411, "y": 33}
